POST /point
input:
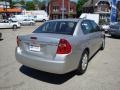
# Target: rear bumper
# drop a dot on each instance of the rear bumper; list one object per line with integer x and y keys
{"x": 56, "y": 66}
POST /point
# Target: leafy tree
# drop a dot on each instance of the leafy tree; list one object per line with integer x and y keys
{"x": 22, "y": 2}
{"x": 30, "y": 5}
{"x": 79, "y": 7}
{"x": 36, "y": 3}
{"x": 39, "y": 4}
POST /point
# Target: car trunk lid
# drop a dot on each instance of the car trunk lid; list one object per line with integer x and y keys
{"x": 42, "y": 45}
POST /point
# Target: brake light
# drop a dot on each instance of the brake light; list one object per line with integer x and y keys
{"x": 18, "y": 41}
{"x": 64, "y": 47}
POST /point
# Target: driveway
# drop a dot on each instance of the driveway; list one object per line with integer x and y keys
{"x": 103, "y": 71}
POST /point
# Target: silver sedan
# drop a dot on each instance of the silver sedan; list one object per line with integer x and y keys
{"x": 60, "y": 46}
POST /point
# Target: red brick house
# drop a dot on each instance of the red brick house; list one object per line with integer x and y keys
{"x": 55, "y": 9}
{"x": 118, "y": 10}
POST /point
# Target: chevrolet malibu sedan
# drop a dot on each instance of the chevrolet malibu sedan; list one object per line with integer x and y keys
{"x": 60, "y": 46}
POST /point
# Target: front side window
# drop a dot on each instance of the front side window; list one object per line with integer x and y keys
{"x": 58, "y": 27}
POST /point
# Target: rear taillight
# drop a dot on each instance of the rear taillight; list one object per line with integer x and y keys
{"x": 17, "y": 40}
{"x": 64, "y": 47}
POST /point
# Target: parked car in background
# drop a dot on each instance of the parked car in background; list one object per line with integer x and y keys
{"x": 39, "y": 15}
{"x": 27, "y": 22}
{"x": 60, "y": 46}
{"x": 9, "y": 24}
{"x": 106, "y": 27}
{"x": 115, "y": 29}
{"x": 20, "y": 18}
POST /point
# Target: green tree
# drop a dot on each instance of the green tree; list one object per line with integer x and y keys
{"x": 22, "y": 2}
{"x": 79, "y": 6}
{"x": 36, "y": 4}
{"x": 30, "y": 5}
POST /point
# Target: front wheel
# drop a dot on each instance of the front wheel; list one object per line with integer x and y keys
{"x": 103, "y": 45}
{"x": 83, "y": 63}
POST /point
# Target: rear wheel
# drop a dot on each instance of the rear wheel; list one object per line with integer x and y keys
{"x": 113, "y": 36}
{"x": 31, "y": 24}
{"x": 14, "y": 26}
{"x": 83, "y": 63}
{"x": 43, "y": 20}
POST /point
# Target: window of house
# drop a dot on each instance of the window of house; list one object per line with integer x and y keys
{"x": 55, "y": 8}
{"x": 71, "y": 9}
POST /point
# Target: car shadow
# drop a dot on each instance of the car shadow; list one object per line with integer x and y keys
{"x": 46, "y": 77}
{"x": 1, "y": 39}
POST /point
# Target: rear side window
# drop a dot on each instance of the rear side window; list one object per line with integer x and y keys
{"x": 86, "y": 26}
{"x": 95, "y": 27}
{"x": 58, "y": 27}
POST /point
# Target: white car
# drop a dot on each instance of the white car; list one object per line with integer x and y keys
{"x": 106, "y": 27}
{"x": 27, "y": 22}
{"x": 9, "y": 24}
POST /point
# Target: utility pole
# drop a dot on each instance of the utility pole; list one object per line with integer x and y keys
{"x": 63, "y": 9}
{"x": 46, "y": 5}
{"x": 6, "y": 9}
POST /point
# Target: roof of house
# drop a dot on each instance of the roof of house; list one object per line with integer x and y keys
{"x": 17, "y": 5}
{"x": 90, "y": 3}
{"x": 10, "y": 10}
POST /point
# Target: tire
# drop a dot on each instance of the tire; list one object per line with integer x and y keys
{"x": 83, "y": 64}
{"x": 31, "y": 24}
{"x": 114, "y": 36}
{"x": 103, "y": 45}
{"x": 43, "y": 20}
{"x": 14, "y": 26}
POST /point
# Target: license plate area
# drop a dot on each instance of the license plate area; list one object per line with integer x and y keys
{"x": 35, "y": 48}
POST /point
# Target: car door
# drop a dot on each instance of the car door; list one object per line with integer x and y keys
{"x": 90, "y": 37}
{"x": 25, "y": 22}
{"x": 1, "y": 25}
{"x": 5, "y": 24}
{"x": 97, "y": 35}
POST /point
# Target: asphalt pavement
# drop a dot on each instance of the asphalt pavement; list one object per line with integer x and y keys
{"x": 103, "y": 71}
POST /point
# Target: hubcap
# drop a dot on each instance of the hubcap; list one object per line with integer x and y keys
{"x": 84, "y": 61}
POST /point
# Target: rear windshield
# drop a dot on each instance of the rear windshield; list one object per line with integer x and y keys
{"x": 58, "y": 27}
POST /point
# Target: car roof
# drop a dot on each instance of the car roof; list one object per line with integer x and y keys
{"x": 75, "y": 20}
